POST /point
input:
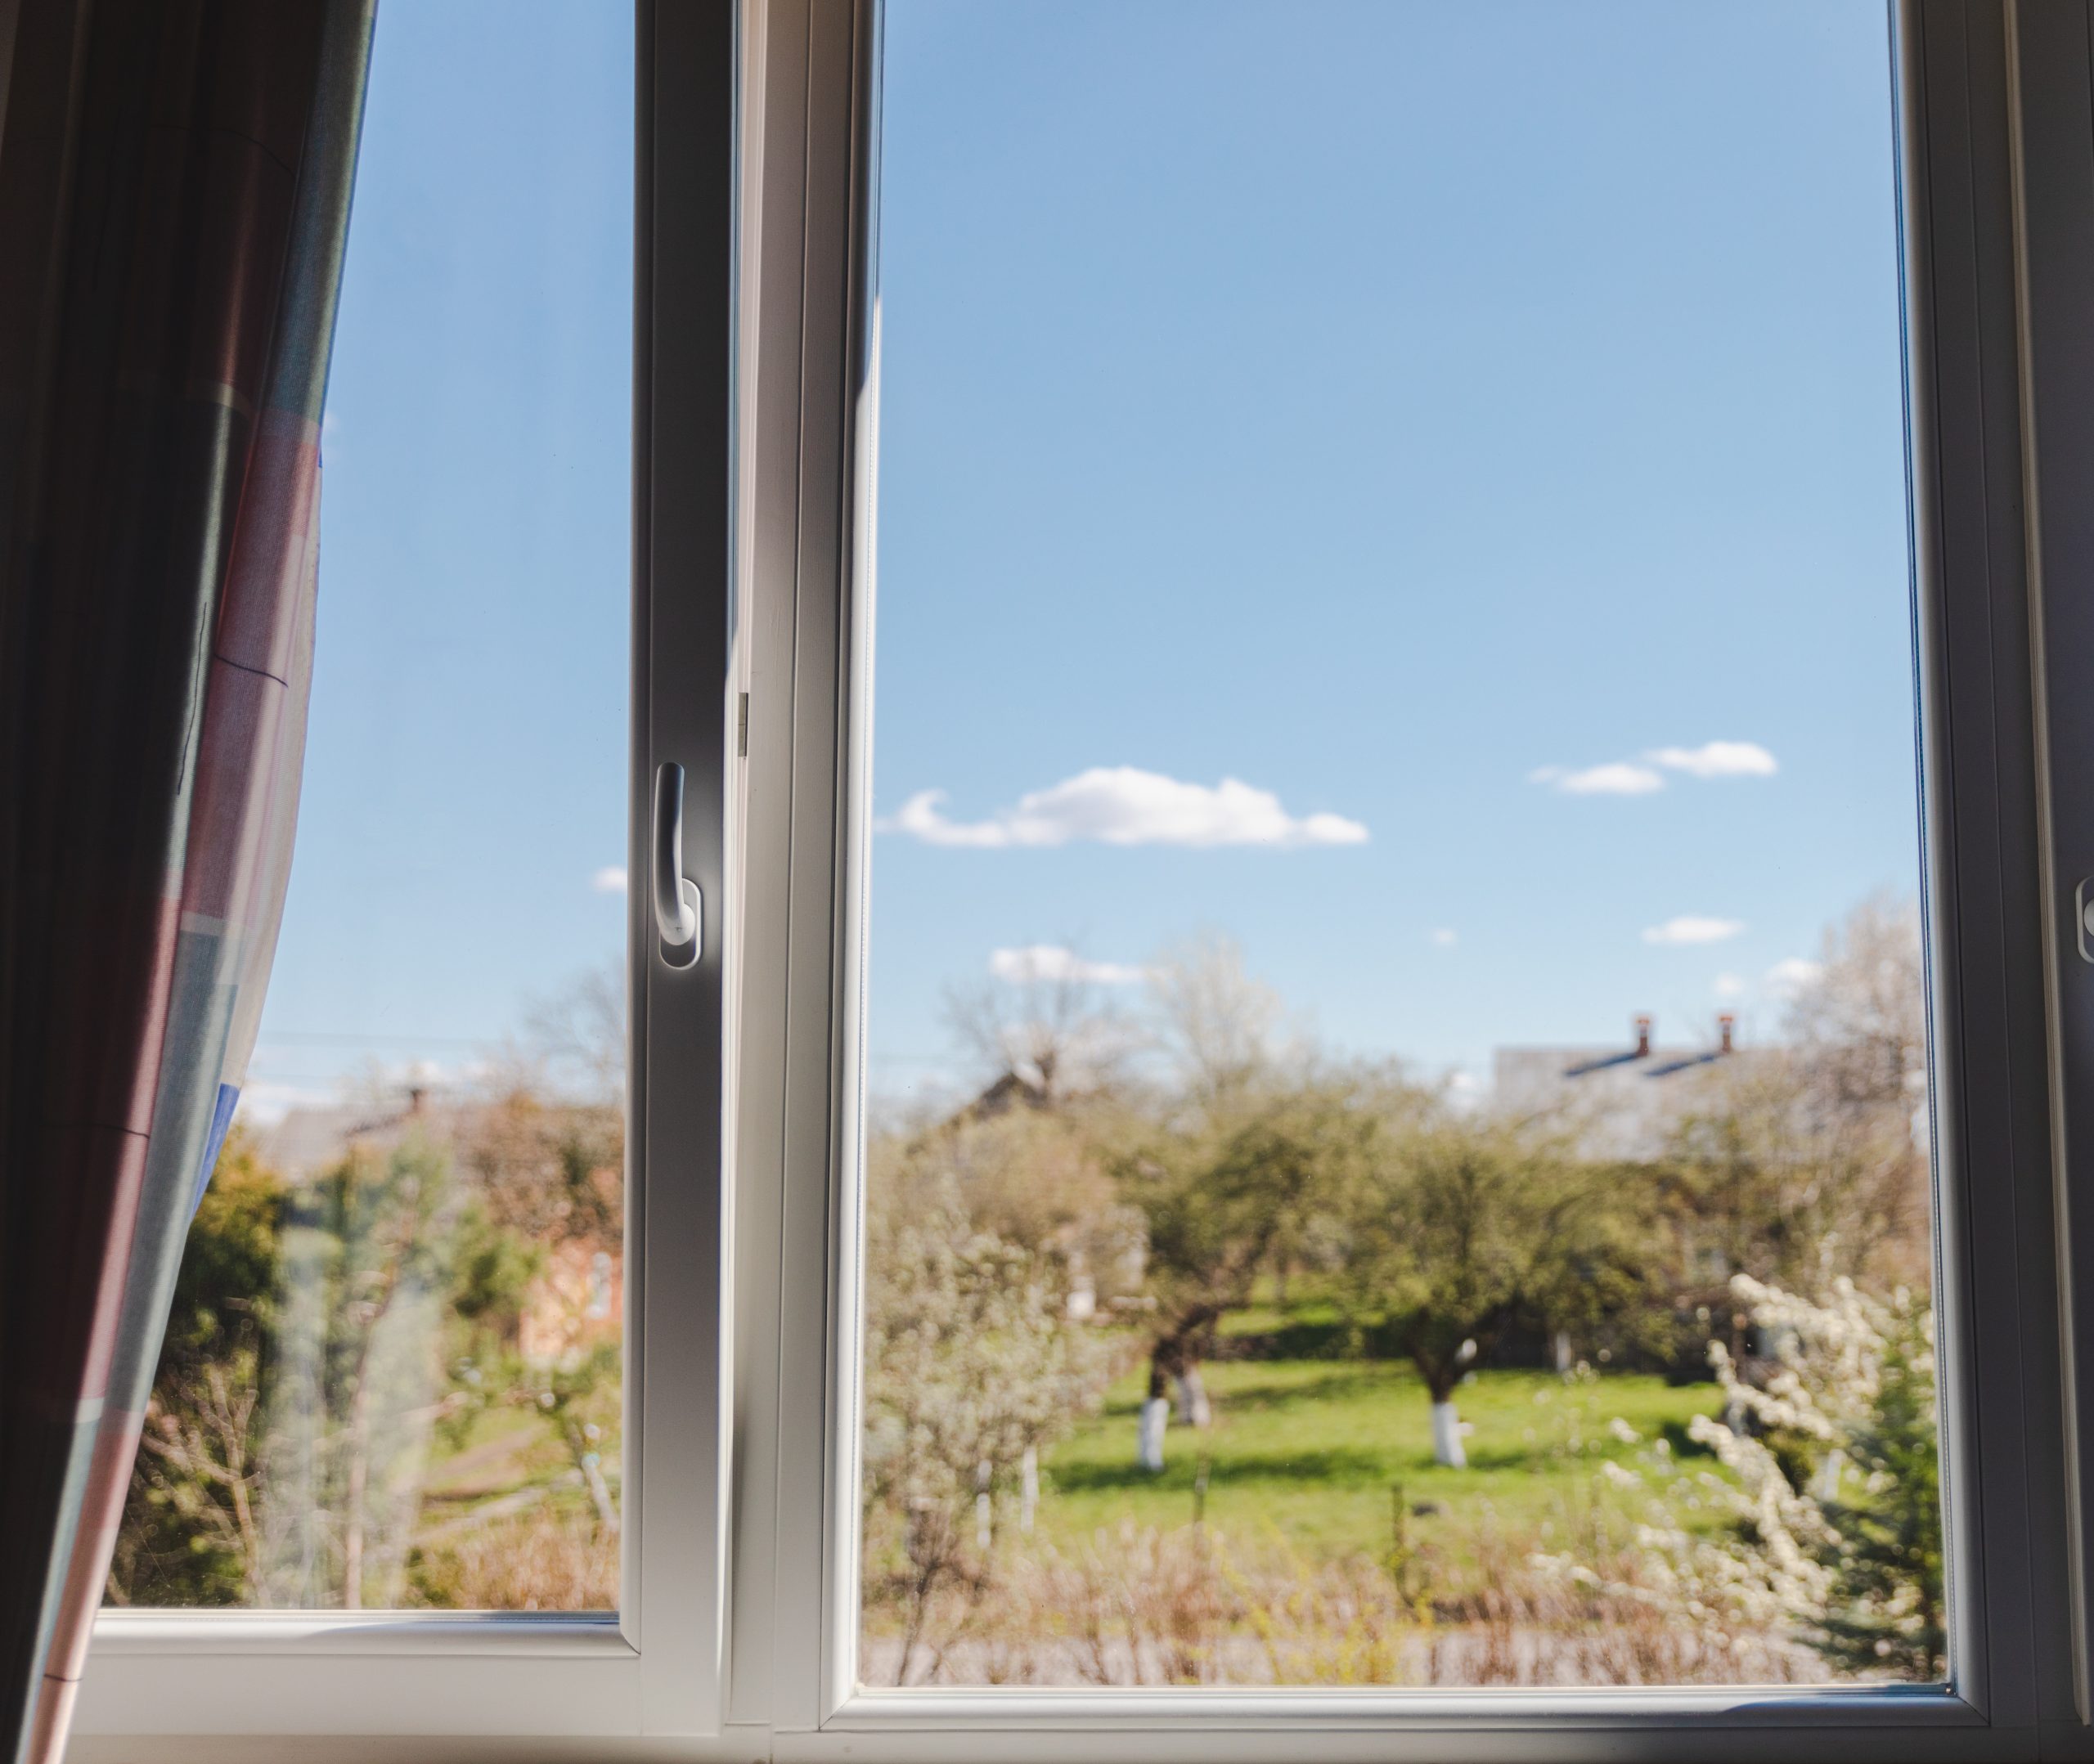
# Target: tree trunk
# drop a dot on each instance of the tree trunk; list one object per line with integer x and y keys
{"x": 1174, "y": 1361}
{"x": 1155, "y": 1417}
{"x": 1193, "y": 1408}
{"x": 600, "y": 1493}
{"x": 1441, "y": 1376}
{"x": 1156, "y": 1410}
{"x": 353, "y": 1495}
{"x": 1443, "y": 1371}
{"x": 1447, "y": 1435}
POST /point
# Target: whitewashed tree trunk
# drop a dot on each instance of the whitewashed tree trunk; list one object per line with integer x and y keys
{"x": 1193, "y": 1408}
{"x": 599, "y": 1492}
{"x": 1564, "y": 1357}
{"x": 1155, "y": 1416}
{"x": 985, "y": 1522}
{"x": 1825, "y": 1485}
{"x": 1447, "y": 1437}
{"x": 1028, "y": 1488}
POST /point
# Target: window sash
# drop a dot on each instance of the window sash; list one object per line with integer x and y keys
{"x": 653, "y": 1665}
{"x": 1957, "y": 172}
{"x": 747, "y": 1581}
{"x": 2057, "y": 238}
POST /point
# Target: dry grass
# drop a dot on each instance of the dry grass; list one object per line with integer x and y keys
{"x": 1145, "y": 1607}
{"x": 545, "y": 1560}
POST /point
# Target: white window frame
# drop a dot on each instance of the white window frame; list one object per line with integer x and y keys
{"x": 736, "y": 1640}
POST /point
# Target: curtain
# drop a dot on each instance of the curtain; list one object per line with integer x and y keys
{"x": 174, "y": 196}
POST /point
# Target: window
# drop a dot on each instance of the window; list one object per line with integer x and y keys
{"x": 1291, "y": 1255}
{"x": 504, "y": 681}
{"x": 958, "y": 333}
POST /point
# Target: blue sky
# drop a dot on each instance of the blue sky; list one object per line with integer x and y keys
{"x": 1377, "y": 411}
{"x": 1444, "y": 422}
{"x": 466, "y": 763}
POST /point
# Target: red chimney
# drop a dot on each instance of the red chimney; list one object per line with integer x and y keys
{"x": 1726, "y": 1029}
{"x": 1642, "y": 1038}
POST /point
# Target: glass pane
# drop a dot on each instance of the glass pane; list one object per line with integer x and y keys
{"x": 392, "y": 1373}
{"x": 1396, "y": 1144}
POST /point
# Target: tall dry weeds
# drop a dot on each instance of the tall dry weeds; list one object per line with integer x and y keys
{"x": 1140, "y": 1606}
{"x": 541, "y": 1561}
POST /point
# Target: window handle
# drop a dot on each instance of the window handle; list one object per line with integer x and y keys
{"x": 679, "y": 910}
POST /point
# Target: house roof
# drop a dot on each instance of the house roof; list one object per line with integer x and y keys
{"x": 1619, "y": 1102}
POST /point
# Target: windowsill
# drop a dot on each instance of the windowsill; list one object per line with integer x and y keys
{"x": 1375, "y": 1709}
{"x": 553, "y": 1634}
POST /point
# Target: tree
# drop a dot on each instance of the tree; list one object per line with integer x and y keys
{"x": 1811, "y": 1156}
{"x": 971, "y": 1365}
{"x": 1222, "y": 1029}
{"x": 1034, "y": 1176}
{"x": 1205, "y": 1246}
{"x": 295, "y": 1383}
{"x": 577, "y": 1036}
{"x": 1460, "y": 1227}
{"x": 367, "y": 1255}
{"x": 543, "y": 1229}
{"x": 1832, "y": 1490}
{"x": 547, "y": 1170}
{"x": 1253, "y": 1185}
{"x": 1041, "y": 1031}
{"x": 1218, "y": 1171}
{"x": 1858, "y": 1019}
{"x": 191, "y": 1531}
{"x": 1884, "y": 1499}
{"x": 328, "y": 1338}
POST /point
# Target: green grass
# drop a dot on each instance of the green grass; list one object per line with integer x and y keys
{"x": 1304, "y": 1453}
{"x": 1261, "y": 1319}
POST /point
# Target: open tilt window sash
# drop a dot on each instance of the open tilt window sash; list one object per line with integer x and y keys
{"x": 653, "y": 1664}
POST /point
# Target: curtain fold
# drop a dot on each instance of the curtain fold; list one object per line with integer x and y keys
{"x": 174, "y": 192}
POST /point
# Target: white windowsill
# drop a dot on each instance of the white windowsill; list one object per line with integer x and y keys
{"x": 562, "y": 1635}
{"x": 1369, "y": 1708}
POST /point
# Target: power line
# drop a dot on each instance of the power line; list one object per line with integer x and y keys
{"x": 347, "y": 1039}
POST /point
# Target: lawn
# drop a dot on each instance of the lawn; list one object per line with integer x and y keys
{"x": 1308, "y": 1455}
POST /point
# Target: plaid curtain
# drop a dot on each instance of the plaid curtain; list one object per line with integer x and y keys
{"x": 174, "y": 197}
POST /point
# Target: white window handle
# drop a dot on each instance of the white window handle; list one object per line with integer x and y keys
{"x": 679, "y": 910}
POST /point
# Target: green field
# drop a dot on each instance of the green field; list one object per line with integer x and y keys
{"x": 1307, "y": 1454}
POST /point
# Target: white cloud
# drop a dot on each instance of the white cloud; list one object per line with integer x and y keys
{"x": 1617, "y": 778}
{"x": 1635, "y": 778}
{"x": 1050, "y": 962}
{"x": 1729, "y": 986}
{"x": 1688, "y": 928}
{"x": 610, "y": 879}
{"x": 1791, "y": 974}
{"x": 1717, "y": 759}
{"x": 1445, "y": 939}
{"x": 1124, "y": 805}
